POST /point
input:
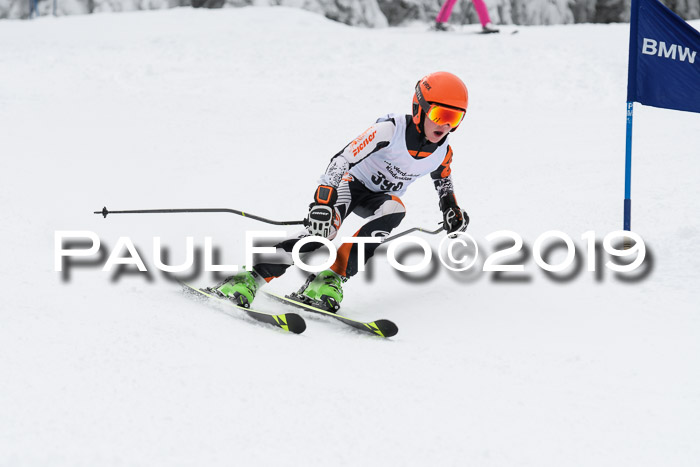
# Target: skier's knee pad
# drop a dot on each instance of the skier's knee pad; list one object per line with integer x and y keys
{"x": 392, "y": 206}
{"x": 389, "y": 215}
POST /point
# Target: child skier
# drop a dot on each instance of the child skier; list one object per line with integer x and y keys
{"x": 366, "y": 178}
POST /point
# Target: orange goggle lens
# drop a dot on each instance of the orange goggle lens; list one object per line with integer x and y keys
{"x": 442, "y": 115}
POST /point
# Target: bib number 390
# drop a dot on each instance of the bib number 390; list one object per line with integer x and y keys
{"x": 384, "y": 184}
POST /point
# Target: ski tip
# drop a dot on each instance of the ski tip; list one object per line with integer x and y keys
{"x": 295, "y": 323}
{"x": 387, "y": 328}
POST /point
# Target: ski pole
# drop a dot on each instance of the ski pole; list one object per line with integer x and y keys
{"x": 414, "y": 229}
{"x": 105, "y": 211}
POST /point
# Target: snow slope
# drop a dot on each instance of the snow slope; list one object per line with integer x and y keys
{"x": 242, "y": 108}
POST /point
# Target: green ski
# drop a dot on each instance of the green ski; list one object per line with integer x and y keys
{"x": 380, "y": 327}
{"x": 291, "y": 322}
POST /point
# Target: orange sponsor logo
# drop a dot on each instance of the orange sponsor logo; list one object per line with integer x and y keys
{"x": 360, "y": 143}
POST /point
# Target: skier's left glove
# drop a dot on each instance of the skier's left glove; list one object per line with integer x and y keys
{"x": 320, "y": 218}
{"x": 455, "y": 219}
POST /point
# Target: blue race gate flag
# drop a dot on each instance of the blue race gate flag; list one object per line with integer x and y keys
{"x": 664, "y": 58}
{"x": 663, "y": 71}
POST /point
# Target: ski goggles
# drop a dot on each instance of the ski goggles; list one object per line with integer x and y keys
{"x": 445, "y": 115}
{"x": 439, "y": 113}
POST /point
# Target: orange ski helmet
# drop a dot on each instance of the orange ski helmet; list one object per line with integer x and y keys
{"x": 442, "y": 89}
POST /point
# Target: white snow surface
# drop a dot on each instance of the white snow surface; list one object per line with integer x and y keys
{"x": 243, "y": 108}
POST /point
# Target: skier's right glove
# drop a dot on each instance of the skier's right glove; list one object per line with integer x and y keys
{"x": 326, "y": 195}
{"x": 320, "y": 218}
{"x": 455, "y": 219}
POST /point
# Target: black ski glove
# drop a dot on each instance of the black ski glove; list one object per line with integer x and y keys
{"x": 320, "y": 218}
{"x": 455, "y": 218}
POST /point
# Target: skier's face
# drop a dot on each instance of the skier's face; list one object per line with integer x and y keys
{"x": 434, "y": 132}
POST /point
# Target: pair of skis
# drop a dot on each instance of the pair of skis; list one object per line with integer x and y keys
{"x": 290, "y": 322}
{"x": 294, "y": 323}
